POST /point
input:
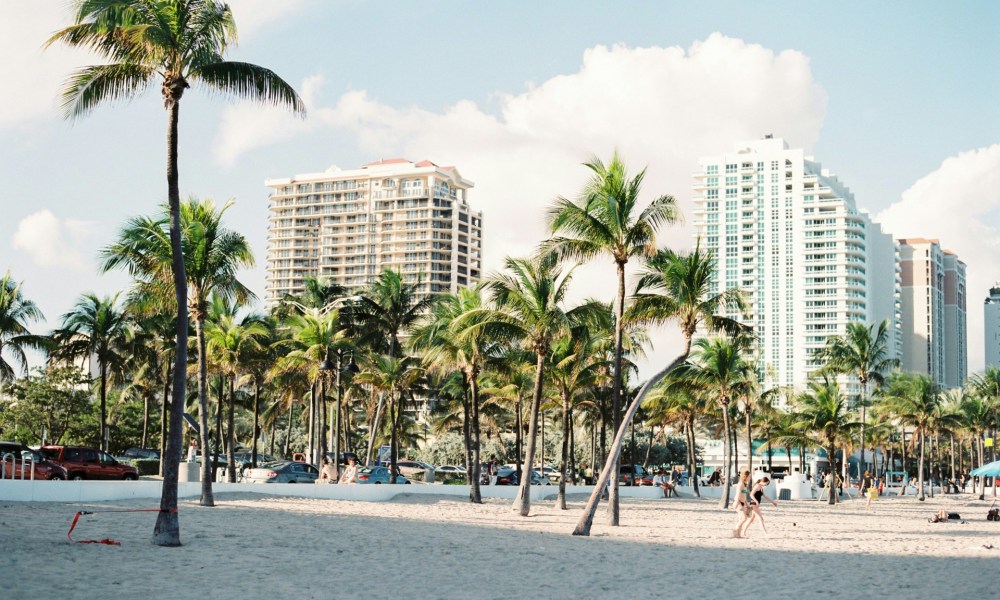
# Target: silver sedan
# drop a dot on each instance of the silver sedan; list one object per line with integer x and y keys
{"x": 282, "y": 472}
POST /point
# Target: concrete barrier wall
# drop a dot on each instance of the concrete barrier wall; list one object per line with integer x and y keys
{"x": 102, "y": 491}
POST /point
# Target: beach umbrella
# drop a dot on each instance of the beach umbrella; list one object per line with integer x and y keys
{"x": 988, "y": 470}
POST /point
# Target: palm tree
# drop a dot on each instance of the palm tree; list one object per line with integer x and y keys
{"x": 673, "y": 287}
{"x": 861, "y": 352}
{"x": 603, "y": 222}
{"x": 95, "y": 328}
{"x": 914, "y": 399}
{"x": 679, "y": 400}
{"x": 823, "y": 420}
{"x": 231, "y": 340}
{"x": 395, "y": 377}
{"x": 212, "y": 256}
{"x": 528, "y": 298}
{"x": 447, "y": 345}
{"x": 16, "y": 312}
{"x": 175, "y": 42}
{"x": 382, "y": 313}
{"x": 980, "y": 415}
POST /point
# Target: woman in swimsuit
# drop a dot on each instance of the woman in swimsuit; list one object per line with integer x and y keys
{"x": 756, "y": 496}
{"x": 742, "y": 504}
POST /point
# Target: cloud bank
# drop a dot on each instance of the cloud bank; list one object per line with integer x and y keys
{"x": 53, "y": 242}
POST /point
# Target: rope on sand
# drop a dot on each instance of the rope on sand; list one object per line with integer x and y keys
{"x": 107, "y": 541}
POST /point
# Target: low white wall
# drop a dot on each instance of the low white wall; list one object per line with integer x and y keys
{"x": 99, "y": 491}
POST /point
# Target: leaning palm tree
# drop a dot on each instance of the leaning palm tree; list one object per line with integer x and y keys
{"x": 914, "y": 399}
{"x": 95, "y": 329}
{"x": 16, "y": 313}
{"x": 175, "y": 42}
{"x": 212, "y": 255}
{"x": 605, "y": 221}
{"x": 672, "y": 288}
{"x": 861, "y": 352}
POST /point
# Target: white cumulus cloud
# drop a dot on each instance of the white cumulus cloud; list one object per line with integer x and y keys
{"x": 661, "y": 107}
{"x": 53, "y": 242}
{"x": 959, "y": 204}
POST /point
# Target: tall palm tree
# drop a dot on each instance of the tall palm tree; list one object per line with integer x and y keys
{"x": 16, "y": 313}
{"x": 914, "y": 399}
{"x": 395, "y": 377}
{"x": 95, "y": 328}
{"x": 823, "y": 420}
{"x": 447, "y": 345}
{"x": 231, "y": 339}
{"x": 175, "y": 42}
{"x": 212, "y": 255}
{"x": 383, "y": 312}
{"x": 672, "y": 288}
{"x": 861, "y": 352}
{"x": 606, "y": 221}
{"x": 529, "y": 296}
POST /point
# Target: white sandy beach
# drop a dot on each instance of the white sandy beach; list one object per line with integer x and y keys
{"x": 254, "y": 546}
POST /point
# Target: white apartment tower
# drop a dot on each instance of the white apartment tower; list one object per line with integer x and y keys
{"x": 788, "y": 233}
{"x": 991, "y": 320}
{"x": 934, "y": 312}
{"x": 347, "y": 226}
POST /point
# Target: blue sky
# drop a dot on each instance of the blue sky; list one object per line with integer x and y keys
{"x": 899, "y": 99}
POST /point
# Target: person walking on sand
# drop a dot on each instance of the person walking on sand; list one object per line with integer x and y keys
{"x": 869, "y": 488}
{"x": 742, "y": 504}
{"x": 350, "y": 471}
{"x": 757, "y": 495}
{"x": 329, "y": 472}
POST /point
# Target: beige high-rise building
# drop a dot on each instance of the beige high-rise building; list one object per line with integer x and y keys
{"x": 347, "y": 226}
{"x": 934, "y": 312}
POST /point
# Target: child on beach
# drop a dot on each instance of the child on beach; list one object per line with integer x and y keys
{"x": 742, "y": 504}
{"x": 756, "y": 496}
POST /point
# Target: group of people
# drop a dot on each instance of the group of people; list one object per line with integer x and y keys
{"x": 331, "y": 474}
{"x": 748, "y": 499}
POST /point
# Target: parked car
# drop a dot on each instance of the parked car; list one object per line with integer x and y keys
{"x": 82, "y": 462}
{"x": 451, "y": 469}
{"x": 631, "y": 475}
{"x": 17, "y": 462}
{"x": 413, "y": 468}
{"x": 283, "y": 471}
{"x": 377, "y": 475}
{"x": 507, "y": 475}
{"x": 140, "y": 453}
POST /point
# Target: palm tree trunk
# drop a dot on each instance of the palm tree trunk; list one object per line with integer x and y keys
{"x": 693, "y": 474}
{"x": 561, "y": 498}
{"x": 519, "y": 437}
{"x": 219, "y": 438}
{"x": 230, "y": 433}
{"x": 311, "y": 448}
{"x": 145, "y": 420}
{"x": 467, "y": 434}
{"x": 256, "y": 423}
{"x": 163, "y": 420}
{"x": 749, "y": 440}
{"x": 207, "y": 498}
{"x": 587, "y": 518}
{"x": 832, "y": 482}
{"x": 393, "y": 408}
{"x": 864, "y": 405}
{"x": 522, "y": 504}
{"x": 727, "y": 460}
{"x": 104, "y": 410}
{"x": 920, "y": 469}
{"x": 288, "y": 431}
{"x": 475, "y": 495}
{"x": 614, "y": 504}
{"x": 167, "y": 531}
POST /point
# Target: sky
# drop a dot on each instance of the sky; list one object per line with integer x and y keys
{"x": 898, "y": 99}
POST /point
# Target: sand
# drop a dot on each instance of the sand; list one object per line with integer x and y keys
{"x": 254, "y": 546}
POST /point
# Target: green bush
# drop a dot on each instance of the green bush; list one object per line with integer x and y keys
{"x": 146, "y": 466}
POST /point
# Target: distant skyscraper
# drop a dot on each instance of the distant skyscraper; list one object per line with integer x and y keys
{"x": 991, "y": 314}
{"x": 347, "y": 226}
{"x": 934, "y": 321}
{"x": 789, "y": 234}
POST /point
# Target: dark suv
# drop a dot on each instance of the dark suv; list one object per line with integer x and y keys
{"x": 630, "y": 474}
{"x": 15, "y": 466}
{"x": 89, "y": 463}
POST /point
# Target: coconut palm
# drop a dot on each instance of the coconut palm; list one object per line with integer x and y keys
{"x": 395, "y": 377}
{"x": 175, "y": 42}
{"x": 822, "y": 419}
{"x": 605, "y": 221}
{"x": 231, "y": 340}
{"x": 861, "y": 352}
{"x": 914, "y": 399}
{"x": 95, "y": 329}
{"x": 679, "y": 400}
{"x": 386, "y": 310}
{"x": 212, "y": 256}
{"x": 16, "y": 313}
